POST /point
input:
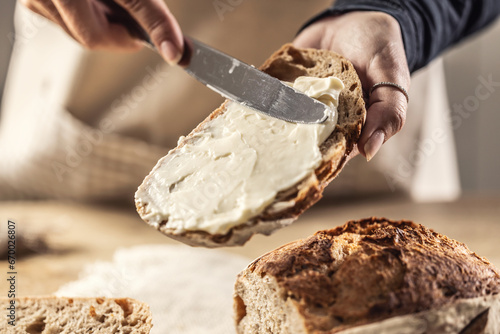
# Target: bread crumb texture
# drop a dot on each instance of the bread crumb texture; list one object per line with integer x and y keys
{"x": 362, "y": 272}
{"x": 50, "y": 315}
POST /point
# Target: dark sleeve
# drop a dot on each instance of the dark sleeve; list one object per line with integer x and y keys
{"x": 428, "y": 26}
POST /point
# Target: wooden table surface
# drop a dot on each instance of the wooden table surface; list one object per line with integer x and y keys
{"x": 79, "y": 234}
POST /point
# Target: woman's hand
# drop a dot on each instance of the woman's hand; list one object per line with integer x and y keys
{"x": 372, "y": 42}
{"x": 86, "y": 22}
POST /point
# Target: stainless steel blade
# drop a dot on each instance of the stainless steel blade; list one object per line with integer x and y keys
{"x": 232, "y": 78}
{"x": 253, "y": 88}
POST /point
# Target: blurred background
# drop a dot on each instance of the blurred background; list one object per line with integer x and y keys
{"x": 6, "y": 28}
{"x": 477, "y": 137}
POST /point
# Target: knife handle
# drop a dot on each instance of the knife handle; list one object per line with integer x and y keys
{"x": 119, "y": 15}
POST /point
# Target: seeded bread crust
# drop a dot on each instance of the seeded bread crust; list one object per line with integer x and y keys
{"x": 287, "y": 64}
{"x": 78, "y": 315}
{"x": 359, "y": 273}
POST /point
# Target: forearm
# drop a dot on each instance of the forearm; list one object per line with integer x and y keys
{"x": 428, "y": 26}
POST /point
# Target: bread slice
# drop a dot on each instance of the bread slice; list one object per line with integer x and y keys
{"x": 286, "y": 64}
{"x": 76, "y": 315}
{"x": 364, "y": 272}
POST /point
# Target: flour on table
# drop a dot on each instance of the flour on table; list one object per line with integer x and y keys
{"x": 188, "y": 289}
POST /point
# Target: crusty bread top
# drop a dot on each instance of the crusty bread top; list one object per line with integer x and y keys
{"x": 369, "y": 270}
{"x": 287, "y": 64}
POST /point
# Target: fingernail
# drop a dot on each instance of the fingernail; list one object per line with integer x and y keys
{"x": 374, "y": 144}
{"x": 170, "y": 52}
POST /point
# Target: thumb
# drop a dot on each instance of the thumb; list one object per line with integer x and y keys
{"x": 161, "y": 26}
{"x": 385, "y": 116}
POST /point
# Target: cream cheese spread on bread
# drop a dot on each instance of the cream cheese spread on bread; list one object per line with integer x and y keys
{"x": 232, "y": 169}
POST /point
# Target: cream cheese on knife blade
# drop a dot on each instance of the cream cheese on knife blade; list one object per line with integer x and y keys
{"x": 232, "y": 170}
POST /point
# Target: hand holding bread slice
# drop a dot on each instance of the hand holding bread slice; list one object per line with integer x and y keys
{"x": 157, "y": 190}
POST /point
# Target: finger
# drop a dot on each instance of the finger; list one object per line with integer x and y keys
{"x": 311, "y": 37}
{"x": 41, "y": 8}
{"x": 387, "y": 105}
{"x": 47, "y": 9}
{"x": 87, "y": 22}
{"x": 385, "y": 117}
{"x": 31, "y": 5}
{"x": 155, "y": 17}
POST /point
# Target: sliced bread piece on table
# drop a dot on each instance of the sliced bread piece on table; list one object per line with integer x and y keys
{"x": 77, "y": 315}
{"x": 363, "y": 273}
{"x": 285, "y": 205}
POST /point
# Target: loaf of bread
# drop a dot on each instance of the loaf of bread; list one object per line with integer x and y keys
{"x": 287, "y": 64}
{"x": 369, "y": 276}
{"x": 75, "y": 315}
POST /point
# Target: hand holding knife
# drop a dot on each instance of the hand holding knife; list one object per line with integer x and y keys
{"x": 232, "y": 78}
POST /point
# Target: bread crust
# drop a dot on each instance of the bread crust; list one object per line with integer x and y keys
{"x": 287, "y": 64}
{"x": 370, "y": 270}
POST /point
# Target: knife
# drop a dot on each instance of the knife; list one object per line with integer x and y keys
{"x": 233, "y": 78}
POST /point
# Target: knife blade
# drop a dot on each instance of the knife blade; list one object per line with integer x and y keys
{"x": 233, "y": 78}
{"x": 247, "y": 85}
